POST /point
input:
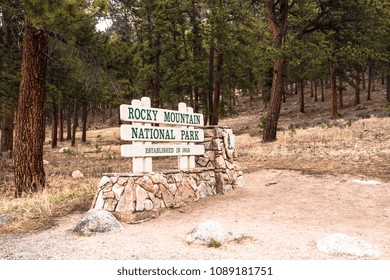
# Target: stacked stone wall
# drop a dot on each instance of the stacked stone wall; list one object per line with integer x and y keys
{"x": 138, "y": 196}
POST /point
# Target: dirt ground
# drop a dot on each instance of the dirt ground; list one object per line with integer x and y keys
{"x": 298, "y": 190}
{"x": 283, "y": 213}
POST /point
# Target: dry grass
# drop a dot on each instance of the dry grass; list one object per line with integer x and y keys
{"x": 356, "y": 143}
{"x": 62, "y": 196}
{"x": 362, "y": 148}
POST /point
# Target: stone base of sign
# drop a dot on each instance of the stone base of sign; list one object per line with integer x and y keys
{"x": 134, "y": 197}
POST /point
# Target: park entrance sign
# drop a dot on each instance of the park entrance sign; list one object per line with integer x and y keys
{"x": 147, "y": 138}
{"x": 152, "y": 132}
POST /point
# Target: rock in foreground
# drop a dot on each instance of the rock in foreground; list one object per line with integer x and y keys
{"x": 6, "y": 219}
{"x": 98, "y": 221}
{"x": 209, "y": 231}
{"x": 343, "y": 244}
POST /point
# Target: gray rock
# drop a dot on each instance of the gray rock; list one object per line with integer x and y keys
{"x": 141, "y": 195}
{"x": 77, "y": 174}
{"x": 98, "y": 221}
{"x": 126, "y": 203}
{"x": 99, "y": 202}
{"x": 240, "y": 181}
{"x": 118, "y": 191}
{"x": 209, "y": 231}
{"x": 6, "y": 219}
{"x": 220, "y": 162}
{"x": 359, "y": 107}
{"x": 65, "y": 150}
{"x": 103, "y": 181}
{"x": 148, "y": 205}
{"x": 343, "y": 244}
{"x": 202, "y": 161}
{"x": 204, "y": 189}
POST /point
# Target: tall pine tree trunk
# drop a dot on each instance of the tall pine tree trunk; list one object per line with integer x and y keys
{"x": 277, "y": 22}
{"x": 84, "y": 117}
{"x": 7, "y": 118}
{"x": 61, "y": 125}
{"x": 29, "y": 125}
{"x": 196, "y": 48}
{"x": 333, "y": 81}
{"x": 75, "y": 124}
{"x": 210, "y": 88}
{"x": 69, "y": 123}
{"x": 7, "y": 129}
{"x": 341, "y": 100}
{"x": 302, "y": 98}
{"x": 218, "y": 85}
{"x": 388, "y": 83}
{"x": 54, "y": 122}
{"x": 369, "y": 83}
{"x": 357, "y": 89}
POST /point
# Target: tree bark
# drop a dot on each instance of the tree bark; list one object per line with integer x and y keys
{"x": 69, "y": 123}
{"x": 311, "y": 89}
{"x": 388, "y": 83}
{"x": 369, "y": 83}
{"x": 7, "y": 118}
{"x": 29, "y": 125}
{"x": 7, "y": 129}
{"x": 196, "y": 48}
{"x": 61, "y": 125}
{"x": 357, "y": 89}
{"x": 218, "y": 86}
{"x": 333, "y": 82}
{"x": 322, "y": 91}
{"x": 341, "y": 101}
{"x": 302, "y": 98}
{"x": 54, "y": 122}
{"x": 277, "y": 22}
{"x": 75, "y": 124}
{"x": 211, "y": 81}
{"x": 84, "y": 116}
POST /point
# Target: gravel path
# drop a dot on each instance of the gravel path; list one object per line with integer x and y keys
{"x": 284, "y": 212}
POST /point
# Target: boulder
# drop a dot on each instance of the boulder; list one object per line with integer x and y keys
{"x": 65, "y": 150}
{"x": 6, "y": 219}
{"x": 98, "y": 221}
{"x": 77, "y": 174}
{"x": 209, "y": 231}
{"x": 339, "y": 243}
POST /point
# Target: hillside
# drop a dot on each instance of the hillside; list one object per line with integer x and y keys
{"x": 356, "y": 143}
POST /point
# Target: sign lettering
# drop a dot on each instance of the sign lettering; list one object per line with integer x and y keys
{"x": 151, "y": 133}
{"x": 152, "y": 115}
{"x": 160, "y": 150}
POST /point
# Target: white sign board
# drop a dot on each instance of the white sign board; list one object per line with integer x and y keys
{"x": 179, "y": 127}
{"x": 161, "y": 150}
{"x": 164, "y": 134}
{"x": 162, "y": 116}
